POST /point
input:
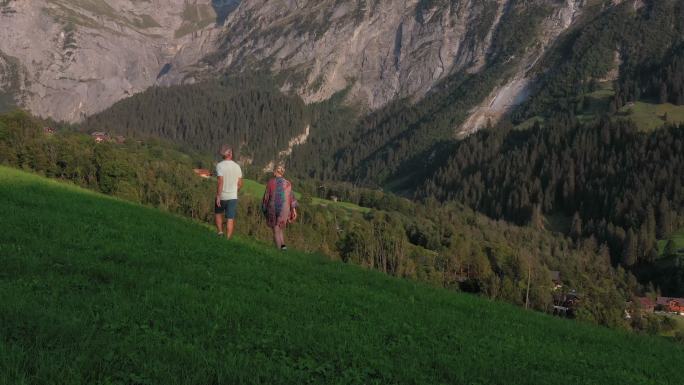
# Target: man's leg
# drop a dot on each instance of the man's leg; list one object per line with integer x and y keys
{"x": 219, "y": 223}
{"x": 231, "y": 212}
{"x": 230, "y": 225}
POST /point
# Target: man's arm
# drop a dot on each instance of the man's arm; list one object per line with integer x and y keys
{"x": 219, "y": 189}
{"x": 239, "y": 183}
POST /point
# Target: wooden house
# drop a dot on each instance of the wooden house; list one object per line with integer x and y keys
{"x": 671, "y": 305}
{"x": 646, "y": 304}
{"x": 100, "y": 137}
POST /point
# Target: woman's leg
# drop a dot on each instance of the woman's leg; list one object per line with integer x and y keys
{"x": 282, "y": 236}
{"x": 276, "y": 236}
{"x": 278, "y": 232}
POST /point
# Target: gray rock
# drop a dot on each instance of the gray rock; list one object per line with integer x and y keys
{"x": 81, "y": 57}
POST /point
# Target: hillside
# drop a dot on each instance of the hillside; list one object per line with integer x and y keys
{"x": 173, "y": 304}
{"x": 445, "y": 245}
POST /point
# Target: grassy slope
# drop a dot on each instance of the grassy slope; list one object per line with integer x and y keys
{"x": 96, "y": 290}
{"x": 648, "y": 116}
{"x": 677, "y": 237}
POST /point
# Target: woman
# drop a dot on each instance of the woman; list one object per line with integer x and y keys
{"x": 279, "y": 205}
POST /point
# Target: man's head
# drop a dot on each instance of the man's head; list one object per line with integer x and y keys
{"x": 227, "y": 152}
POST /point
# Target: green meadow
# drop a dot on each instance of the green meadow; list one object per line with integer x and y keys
{"x": 95, "y": 290}
{"x": 677, "y": 237}
{"x": 649, "y": 116}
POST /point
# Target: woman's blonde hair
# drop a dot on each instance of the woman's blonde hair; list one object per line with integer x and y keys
{"x": 279, "y": 169}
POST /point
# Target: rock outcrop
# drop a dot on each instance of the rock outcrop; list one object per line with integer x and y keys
{"x": 81, "y": 56}
{"x": 503, "y": 99}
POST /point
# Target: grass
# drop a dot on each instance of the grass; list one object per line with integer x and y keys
{"x": 99, "y": 291}
{"x": 649, "y": 116}
{"x": 257, "y": 189}
{"x": 677, "y": 237}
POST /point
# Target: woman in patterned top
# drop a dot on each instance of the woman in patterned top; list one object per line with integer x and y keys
{"x": 279, "y": 205}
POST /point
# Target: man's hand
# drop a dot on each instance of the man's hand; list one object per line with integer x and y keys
{"x": 218, "y": 201}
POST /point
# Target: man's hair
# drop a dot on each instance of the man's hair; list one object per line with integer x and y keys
{"x": 226, "y": 150}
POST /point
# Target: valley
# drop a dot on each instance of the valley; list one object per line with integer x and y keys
{"x": 469, "y": 157}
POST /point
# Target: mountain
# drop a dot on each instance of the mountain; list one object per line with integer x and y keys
{"x": 174, "y": 304}
{"x": 72, "y": 58}
{"x": 68, "y": 59}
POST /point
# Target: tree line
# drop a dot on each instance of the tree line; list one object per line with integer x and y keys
{"x": 248, "y": 112}
{"x": 620, "y": 186}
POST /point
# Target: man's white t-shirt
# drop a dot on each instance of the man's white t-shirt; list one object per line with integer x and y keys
{"x": 231, "y": 172}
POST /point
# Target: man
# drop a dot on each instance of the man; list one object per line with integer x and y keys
{"x": 229, "y": 176}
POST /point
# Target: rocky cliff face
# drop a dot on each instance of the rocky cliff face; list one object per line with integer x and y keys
{"x": 77, "y": 57}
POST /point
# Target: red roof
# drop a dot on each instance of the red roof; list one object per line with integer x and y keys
{"x": 645, "y": 302}
{"x": 667, "y": 300}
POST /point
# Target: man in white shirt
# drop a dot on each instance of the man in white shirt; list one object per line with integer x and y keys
{"x": 229, "y": 176}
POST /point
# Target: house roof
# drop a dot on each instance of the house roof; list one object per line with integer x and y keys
{"x": 645, "y": 302}
{"x": 667, "y": 300}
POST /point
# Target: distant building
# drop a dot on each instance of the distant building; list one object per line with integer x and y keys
{"x": 48, "y": 130}
{"x": 566, "y": 305}
{"x": 671, "y": 305}
{"x": 100, "y": 137}
{"x": 646, "y": 304}
{"x": 119, "y": 139}
{"x": 202, "y": 172}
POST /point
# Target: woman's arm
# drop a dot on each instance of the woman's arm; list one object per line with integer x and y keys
{"x": 293, "y": 204}
{"x": 267, "y": 198}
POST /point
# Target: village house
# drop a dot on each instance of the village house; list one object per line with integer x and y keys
{"x": 646, "y": 304}
{"x": 671, "y": 305}
{"x": 643, "y": 304}
{"x": 100, "y": 137}
{"x": 48, "y": 130}
{"x": 202, "y": 172}
{"x": 565, "y": 305}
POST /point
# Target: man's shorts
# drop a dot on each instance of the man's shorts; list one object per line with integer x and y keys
{"x": 228, "y": 207}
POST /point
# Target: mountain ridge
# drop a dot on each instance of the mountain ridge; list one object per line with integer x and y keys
{"x": 91, "y": 54}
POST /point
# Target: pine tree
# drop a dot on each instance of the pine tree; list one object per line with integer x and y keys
{"x": 664, "y": 220}
{"x": 576, "y": 227}
{"x": 629, "y": 250}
